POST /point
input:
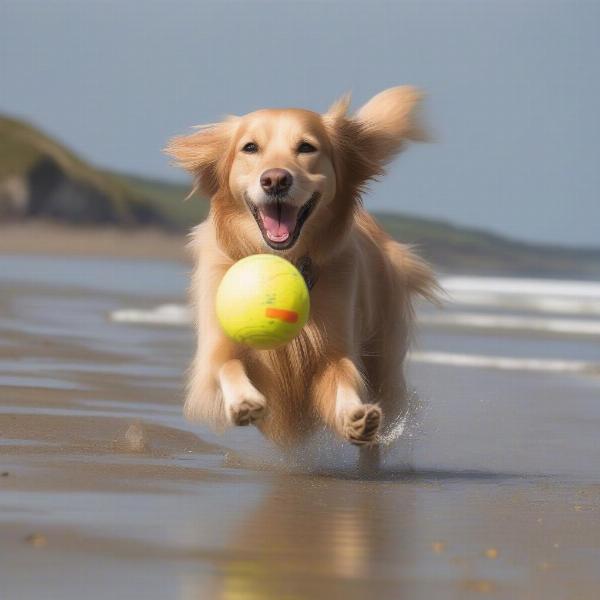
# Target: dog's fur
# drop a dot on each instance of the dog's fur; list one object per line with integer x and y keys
{"x": 345, "y": 368}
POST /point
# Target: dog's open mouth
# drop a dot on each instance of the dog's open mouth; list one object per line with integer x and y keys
{"x": 280, "y": 222}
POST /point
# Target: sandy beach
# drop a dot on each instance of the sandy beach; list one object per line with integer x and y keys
{"x": 64, "y": 240}
{"x": 490, "y": 489}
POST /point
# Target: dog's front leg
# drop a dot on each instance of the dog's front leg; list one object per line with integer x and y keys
{"x": 340, "y": 395}
{"x": 243, "y": 403}
{"x": 219, "y": 389}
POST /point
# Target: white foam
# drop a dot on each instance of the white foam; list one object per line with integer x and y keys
{"x": 165, "y": 314}
{"x": 515, "y": 323}
{"x": 542, "y": 304}
{"x": 542, "y": 295}
{"x": 514, "y": 285}
{"x": 506, "y": 363}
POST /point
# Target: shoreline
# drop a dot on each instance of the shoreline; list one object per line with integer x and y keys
{"x": 111, "y": 241}
{"x": 64, "y": 240}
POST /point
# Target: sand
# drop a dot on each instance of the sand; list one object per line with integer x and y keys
{"x": 106, "y": 492}
{"x": 63, "y": 240}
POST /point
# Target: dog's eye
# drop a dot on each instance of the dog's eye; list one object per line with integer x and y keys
{"x": 306, "y": 148}
{"x": 250, "y": 148}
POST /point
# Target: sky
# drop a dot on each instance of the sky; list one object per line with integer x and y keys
{"x": 513, "y": 93}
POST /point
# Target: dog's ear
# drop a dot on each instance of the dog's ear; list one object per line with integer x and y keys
{"x": 203, "y": 154}
{"x": 390, "y": 119}
{"x": 366, "y": 141}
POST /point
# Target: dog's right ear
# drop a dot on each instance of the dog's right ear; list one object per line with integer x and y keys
{"x": 203, "y": 154}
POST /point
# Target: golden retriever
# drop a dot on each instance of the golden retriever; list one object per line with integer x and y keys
{"x": 289, "y": 182}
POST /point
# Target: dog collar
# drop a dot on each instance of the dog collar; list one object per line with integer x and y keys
{"x": 307, "y": 269}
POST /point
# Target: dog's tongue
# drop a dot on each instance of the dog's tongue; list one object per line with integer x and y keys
{"x": 279, "y": 220}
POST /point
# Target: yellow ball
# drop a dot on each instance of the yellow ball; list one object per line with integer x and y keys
{"x": 262, "y": 301}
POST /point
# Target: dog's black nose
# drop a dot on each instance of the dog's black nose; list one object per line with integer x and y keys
{"x": 276, "y": 181}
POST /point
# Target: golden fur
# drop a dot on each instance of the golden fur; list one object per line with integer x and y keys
{"x": 345, "y": 368}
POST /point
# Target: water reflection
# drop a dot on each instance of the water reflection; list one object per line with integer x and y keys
{"x": 314, "y": 537}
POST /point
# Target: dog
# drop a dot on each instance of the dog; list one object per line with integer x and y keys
{"x": 289, "y": 182}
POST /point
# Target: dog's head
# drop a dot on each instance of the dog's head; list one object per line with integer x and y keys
{"x": 289, "y": 178}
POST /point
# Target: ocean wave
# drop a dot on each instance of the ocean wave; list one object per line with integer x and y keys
{"x": 180, "y": 315}
{"x": 515, "y": 285}
{"x": 506, "y": 363}
{"x": 541, "y": 295}
{"x": 512, "y": 323}
{"x": 165, "y": 314}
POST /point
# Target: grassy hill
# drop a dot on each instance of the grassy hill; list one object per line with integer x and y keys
{"x": 470, "y": 250}
{"x": 169, "y": 200}
{"x": 41, "y": 179}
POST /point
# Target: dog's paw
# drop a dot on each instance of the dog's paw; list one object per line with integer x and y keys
{"x": 247, "y": 410}
{"x": 361, "y": 424}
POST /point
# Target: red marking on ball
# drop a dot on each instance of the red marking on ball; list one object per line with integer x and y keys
{"x": 289, "y": 316}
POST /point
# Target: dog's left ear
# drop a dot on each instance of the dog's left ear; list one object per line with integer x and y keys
{"x": 390, "y": 119}
{"x": 366, "y": 141}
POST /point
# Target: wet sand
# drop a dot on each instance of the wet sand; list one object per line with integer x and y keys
{"x": 492, "y": 491}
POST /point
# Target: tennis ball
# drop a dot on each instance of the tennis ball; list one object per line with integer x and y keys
{"x": 262, "y": 301}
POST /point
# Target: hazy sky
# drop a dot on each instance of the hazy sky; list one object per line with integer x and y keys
{"x": 513, "y": 90}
